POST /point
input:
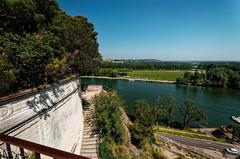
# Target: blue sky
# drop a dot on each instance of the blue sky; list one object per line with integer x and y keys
{"x": 163, "y": 29}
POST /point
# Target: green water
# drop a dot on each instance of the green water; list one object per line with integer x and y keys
{"x": 219, "y": 104}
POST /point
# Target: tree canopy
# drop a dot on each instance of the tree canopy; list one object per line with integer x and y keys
{"x": 226, "y": 76}
{"x": 191, "y": 114}
{"x": 40, "y": 44}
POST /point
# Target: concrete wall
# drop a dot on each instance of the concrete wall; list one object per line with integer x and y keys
{"x": 52, "y": 117}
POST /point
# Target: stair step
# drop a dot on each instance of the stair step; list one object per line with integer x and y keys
{"x": 90, "y": 136}
{"x": 90, "y": 155}
{"x": 88, "y": 143}
{"x": 86, "y": 139}
{"x": 92, "y": 150}
{"x": 90, "y": 132}
{"x": 88, "y": 127}
{"x": 92, "y": 146}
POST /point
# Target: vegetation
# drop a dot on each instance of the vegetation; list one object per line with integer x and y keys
{"x": 215, "y": 75}
{"x": 143, "y": 123}
{"x": 191, "y": 114}
{"x": 142, "y": 74}
{"x": 146, "y": 116}
{"x": 147, "y": 65}
{"x": 40, "y": 44}
{"x": 184, "y": 133}
{"x": 107, "y": 117}
{"x": 230, "y": 133}
{"x": 115, "y": 142}
{"x": 110, "y": 128}
{"x": 156, "y": 74}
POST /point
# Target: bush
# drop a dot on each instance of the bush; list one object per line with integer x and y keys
{"x": 107, "y": 115}
{"x": 105, "y": 151}
{"x": 113, "y": 73}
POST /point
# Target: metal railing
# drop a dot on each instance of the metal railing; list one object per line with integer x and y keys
{"x": 36, "y": 150}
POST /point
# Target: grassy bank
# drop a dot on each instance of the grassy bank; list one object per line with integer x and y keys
{"x": 186, "y": 134}
{"x": 156, "y": 74}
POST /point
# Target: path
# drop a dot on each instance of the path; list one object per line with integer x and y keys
{"x": 89, "y": 146}
{"x": 199, "y": 143}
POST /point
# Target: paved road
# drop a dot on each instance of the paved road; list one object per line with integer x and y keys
{"x": 198, "y": 143}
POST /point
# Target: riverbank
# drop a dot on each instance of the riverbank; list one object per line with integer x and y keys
{"x": 130, "y": 79}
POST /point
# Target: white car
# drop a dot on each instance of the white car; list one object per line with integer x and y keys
{"x": 232, "y": 150}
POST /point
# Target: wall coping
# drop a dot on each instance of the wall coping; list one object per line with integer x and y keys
{"x": 30, "y": 92}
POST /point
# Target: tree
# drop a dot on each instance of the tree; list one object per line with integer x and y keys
{"x": 113, "y": 73}
{"x": 159, "y": 109}
{"x": 235, "y": 132}
{"x": 191, "y": 114}
{"x": 7, "y": 76}
{"x": 29, "y": 54}
{"x": 217, "y": 77}
{"x": 107, "y": 117}
{"x": 170, "y": 107}
{"x": 144, "y": 120}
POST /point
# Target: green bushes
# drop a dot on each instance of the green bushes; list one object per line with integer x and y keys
{"x": 108, "y": 121}
{"x": 105, "y": 151}
{"x": 144, "y": 120}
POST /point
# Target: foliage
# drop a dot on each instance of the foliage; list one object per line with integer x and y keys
{"x": 158, "y": 155}
{"x": 105, "y": 151}
{"x": 218, "y": 76}
{"x": 185, "y": 133}
{"x": 113, "y": 73}
{"x": 170, "y": 107}
{"x": 148, "y": 65}
{"x": 78, "y": 37}
{"x": 144, "y": 120}
{"x": 7, "y": 73}
{"x": 156, "y": 74}
{"x": 39, "y": 43}
{"x": 235, "y": 132}
{"x": 191, "y": 114}
{"x": 107, "y": 117}
{"x": 29, "y": 54}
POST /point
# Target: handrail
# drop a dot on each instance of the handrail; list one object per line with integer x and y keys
{"x": 38, "y": 149}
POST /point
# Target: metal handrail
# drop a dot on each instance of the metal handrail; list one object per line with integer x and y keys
{"x": 37, "y": 148}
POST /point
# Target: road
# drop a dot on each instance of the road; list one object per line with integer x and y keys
{"x": 198, "y": 143}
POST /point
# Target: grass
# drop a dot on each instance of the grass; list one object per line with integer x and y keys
{"x": 186, "y": 134}
{"x": 156, "y": 74}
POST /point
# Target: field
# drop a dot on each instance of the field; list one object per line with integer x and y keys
{"x": 156, "y": 74}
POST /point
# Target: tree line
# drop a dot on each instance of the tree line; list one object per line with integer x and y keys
{"x": 148, "y": 65}
{"x": 39, "y": 43}
{"x": 145, "y": 117}
{"x": 226, "y": 76}
{"x": 163, "y": 112}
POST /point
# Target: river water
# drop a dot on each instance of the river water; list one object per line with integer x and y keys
{"x": 219, "y": 104}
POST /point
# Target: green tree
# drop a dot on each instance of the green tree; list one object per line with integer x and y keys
{"x": 191, "y": 114}
{"x": 29, "y": 54}
{"x": 159, "y": 111}
{"x": 7, "y": 77}
{"x": 144, "y": 120}
{"x": 235, "y": 133}
{"x": 107, "y": 117}
{"x": 113, "y": 73}
{"x": 170, "y": 108}
{"x": 217, "y": 77}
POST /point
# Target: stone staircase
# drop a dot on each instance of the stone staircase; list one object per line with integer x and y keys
{"x": 89, "y": 142}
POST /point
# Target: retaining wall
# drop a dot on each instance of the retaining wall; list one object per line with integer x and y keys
{"x": 52, "y": 117}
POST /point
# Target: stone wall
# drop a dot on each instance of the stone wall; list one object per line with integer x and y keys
{"x": 52, "y": 117}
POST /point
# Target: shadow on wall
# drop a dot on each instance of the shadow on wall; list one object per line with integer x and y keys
{"x": 42, "y": 101}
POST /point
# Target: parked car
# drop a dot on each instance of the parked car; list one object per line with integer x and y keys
{"x": 232, "y": 150}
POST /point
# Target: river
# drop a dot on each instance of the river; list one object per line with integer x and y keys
{"x": 219, "y": 104}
